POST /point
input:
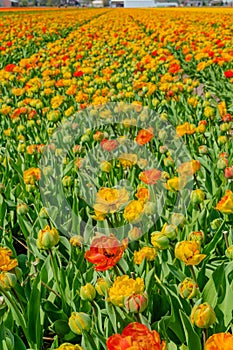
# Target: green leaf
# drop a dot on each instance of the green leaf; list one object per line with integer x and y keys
{"x": 88, "y": 341}
{"x": 212, "y": 288}
{"x": 34, "y": 314}
{"x": 112, "y": 315}
{"x": 19, "y": 345}
{"x": 192, "y": 338}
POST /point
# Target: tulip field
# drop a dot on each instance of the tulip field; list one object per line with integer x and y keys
{"x": 116, "y": 179}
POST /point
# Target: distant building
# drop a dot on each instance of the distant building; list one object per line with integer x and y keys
{"x": 117, "y": 3}
{"x": 139, "y": 3}
{"x": 165, "y": 4}
{"x": 9, "y": 3}
{"x": 100, "y": 3}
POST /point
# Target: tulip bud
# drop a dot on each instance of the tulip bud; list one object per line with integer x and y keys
{"x": 77, "y": 241}
{"x": 177, "y": 219}
{"x": 149, "y": 208}
{"x": 229, "y": 252}
{"x": 85, "y": 138}
{"x": 225, "y": 127}
{"x": 162, "y": 134}
{"x": 43, "y": 214}
{"x": 164, "y": 176}
{"x": 102, "y": 286}
{"x": 159, "y": 240}
{"x": 163, "y": 149}
{"x": 66, "y": 181}
{"x": 222, "y": 163}
{"x": 47, "y": 238}
{"x": 228, "y": 173}
{"x": 30, "y": 188}
{"x": 163, "y": 116}
{"x": 128, "y": 122}
{"x": 203, "y": 149}
{"x": 170, "y": 231}
{"x": 135, "y": 233}
{"x": 105, "y": 166}
{"x": 79, "y": 321}
{"x": 222, "y": 140}
{"x": 22, "y": 209}
{"x": 201, "y": 128}
{"x": 48, "y": 170}
{"x": 21, "y": 147}
{"x": 223, "y": 155}
{"x": 53, "y": 116}
{"x": 168, "y": 161}
{"x": 203, "y": 316}
{"x": 136, "y": 302}
{"x": 215, "y": 224}
{"x": 197, "y": 196}
{"x": 30, "y": 123}
{"x": 50, "y": 131}
{"x": 188, "y": 289}
{"x": 196, "y": 236}
{"x": 87, "y": 292}
{"x": 7, "y": 280}
{"x": 76, "y": 149}
{"x": 68, "y": 346}
{"x": 155, "y": 102}
{"x": 20, "y": 128}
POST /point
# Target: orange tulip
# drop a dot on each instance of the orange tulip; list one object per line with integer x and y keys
{"x": 136, "y": 336}
{"x": 220, "y": 341}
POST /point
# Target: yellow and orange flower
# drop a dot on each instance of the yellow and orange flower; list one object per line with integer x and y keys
{"x": 133, "y": 211}
{"x": 136, "y": 336}
{"x": 30, "y": 176}
{"x": 176, "y": 183}
{"x": 185, "y": 129}
{"x": 144, "y": 136}
{"x": 124, "y": 287}
{"x": 219, "y": 341}
{"x": 225, "y": 205}
{"x": 6, "y": 263}
{"x": 189, "y": 168}
{"x": 150, "y": 176}
{"x": 109, "y": 200}
{"x": 189, "y": 252}
{"x": 147, "y": 253}
{"x": 105, "y": 252}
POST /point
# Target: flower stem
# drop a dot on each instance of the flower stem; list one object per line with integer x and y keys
{"x": 204, "y": 336}
{"x": 137, "y": 317}
{"x": 196, "y": 180}
{"x": 193, "y": 273}
{"x": 225, "y": 235}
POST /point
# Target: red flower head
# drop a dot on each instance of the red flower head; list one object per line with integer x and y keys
{"x": 227, "y": 118}
{"x": 108, "y": 145}
{"x": 144, "y": 136}
{"x": 228, "y": 173}
{"x": 10, "y": 67}
{"x": 136, "y": 336}
{"x": 229, "y": 73}
{"x": 78, "y": 73}
{"x": 150, "y": 176}
{"x": 105, "y": 252}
